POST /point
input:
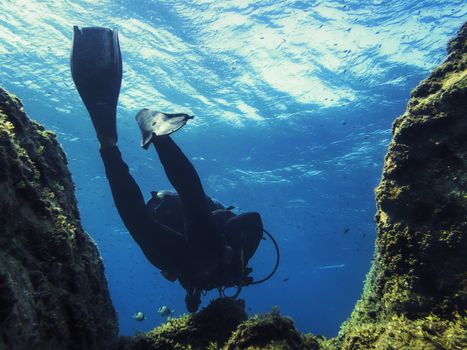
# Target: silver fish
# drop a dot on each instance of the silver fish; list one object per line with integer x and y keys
{"x": 139, "y": 316}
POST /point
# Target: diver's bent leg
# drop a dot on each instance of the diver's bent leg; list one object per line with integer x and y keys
{"x": 202, "y": 236}
{"x": 181, "y": 174}
{"x": 184, "y": 178}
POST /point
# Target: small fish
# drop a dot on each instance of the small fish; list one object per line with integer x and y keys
{"x": 346, "y": 230}
{"x": 164, "y": 311}
{"x": 285, "y": 279}
{"x": 139, "y": 316}
{"x": 330, "y": 267}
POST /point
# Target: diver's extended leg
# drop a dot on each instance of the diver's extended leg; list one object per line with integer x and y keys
{"x": 164, "y": 247}
{"x": 96, "y": 67}
{"x": 125, "y": 191}
{"x": 205, "y": 242}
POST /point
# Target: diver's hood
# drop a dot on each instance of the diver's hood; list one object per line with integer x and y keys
{"x": 159, "y": 124}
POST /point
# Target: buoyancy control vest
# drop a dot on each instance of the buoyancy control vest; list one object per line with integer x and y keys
{"x": 165, "y": 207}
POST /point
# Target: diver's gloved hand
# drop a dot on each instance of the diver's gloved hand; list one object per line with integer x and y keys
{"x": 96, "y": 68}
{"x": 192, "y": 300}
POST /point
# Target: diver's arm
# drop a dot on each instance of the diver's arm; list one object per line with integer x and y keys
{"x": 245, "y": 231}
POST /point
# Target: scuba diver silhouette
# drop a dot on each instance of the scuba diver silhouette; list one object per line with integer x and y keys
{"x": 185, "y": 234}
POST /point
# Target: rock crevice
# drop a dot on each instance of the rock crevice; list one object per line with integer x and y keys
{"x": 53, "y": 290}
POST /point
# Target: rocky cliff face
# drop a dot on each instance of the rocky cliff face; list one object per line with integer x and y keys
{"x": 416, "y": 293}
{"x": 53, "y": 292}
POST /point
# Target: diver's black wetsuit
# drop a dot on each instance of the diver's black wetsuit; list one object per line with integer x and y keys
{"x": 208, "y": 248}
{"x": 194, "y": 255}
{"x": 163, "y": 246}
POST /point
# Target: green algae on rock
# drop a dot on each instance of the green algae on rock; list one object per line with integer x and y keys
{"x": 270, "y": 331}
{"x": 415, "y": 295}
{"x": 208, "y": 328}
{"x": 223, "y": 325}
{"x": 53, "y": 291}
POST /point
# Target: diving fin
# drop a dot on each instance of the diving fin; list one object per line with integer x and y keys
{"x": 96, "y": 68}
{"x": 159, "y": 124}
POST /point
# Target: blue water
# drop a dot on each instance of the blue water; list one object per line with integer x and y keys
{"x": 293, "y": 100}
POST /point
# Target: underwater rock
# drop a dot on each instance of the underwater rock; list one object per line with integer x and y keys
{"x": 223, "y": 325}
{"x": 53, "y": 291}
{"x": 415, "y": 296}
{"x": 270, "y": 331}
{"x": 206, "y": 329}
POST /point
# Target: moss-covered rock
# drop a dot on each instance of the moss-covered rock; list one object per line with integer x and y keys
{"x": 209, "y": 328}
{"x": 269, "y": 331}
{"x": 223, "y": 325}
{"x": 53, "y": 292}
{"x": 415, "y": 296}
